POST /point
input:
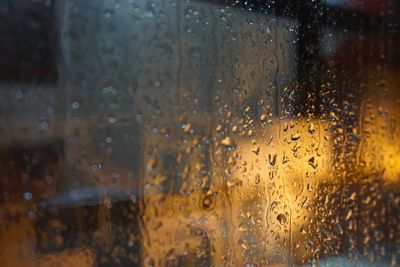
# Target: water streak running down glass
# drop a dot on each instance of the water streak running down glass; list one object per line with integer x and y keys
{"x": 200, "y": 133}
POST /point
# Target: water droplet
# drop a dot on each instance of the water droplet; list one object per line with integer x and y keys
{"x": 285, "y": 127}
{"x": 272, "y": 159}
{"x": 281, "y": 219}
{"x": 311, "y": 128}
{"x": 75, "y": 105}
{"x": 187, "y": 127}
{"x": 19, "y": 95}
{"x": 112, "y": 119}
{"x": 44, "y": 125}
{"x": 312, "y": 162}
{"x": 295, "y": 137}
{"x": 274, "y": 205}
{"x": 27, "y": 196}
{"x": 263, "y": 117}
{"x": 31, "y": 215}
{"x": 256, "y": 150}
{"x": 151, "y": 164}
{"x": 208, "y": 202}
{"x": 333, "y": 116}
{"x": 349, "y": 215}
{"x": 228, "y": 142}
{"x": 107, "y": 14}
{"x": 50, "y": 110}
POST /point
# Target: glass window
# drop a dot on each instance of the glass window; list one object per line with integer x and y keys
{"x": 199, "y": 133}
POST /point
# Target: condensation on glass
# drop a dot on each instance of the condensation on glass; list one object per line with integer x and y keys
{"x": 200, "y": 133}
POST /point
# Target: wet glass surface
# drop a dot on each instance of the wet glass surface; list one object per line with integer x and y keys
{"x": 199, "y": 133}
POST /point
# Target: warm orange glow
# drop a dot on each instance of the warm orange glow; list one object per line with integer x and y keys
{"x": 259, "y": 180}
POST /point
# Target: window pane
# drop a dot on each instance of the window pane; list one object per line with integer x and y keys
{"x": 199, "y": 133}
